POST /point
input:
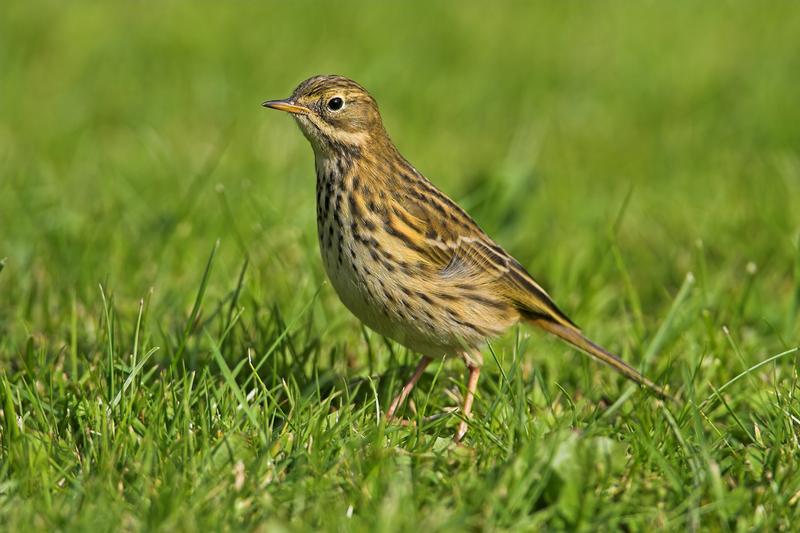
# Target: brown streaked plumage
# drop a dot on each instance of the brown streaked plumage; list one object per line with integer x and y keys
{"x": 403, "y": 257}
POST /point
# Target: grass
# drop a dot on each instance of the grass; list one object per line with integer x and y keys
{"x": 171, "y": 357}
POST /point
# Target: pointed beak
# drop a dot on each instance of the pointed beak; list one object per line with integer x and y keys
{"x": 287, "y": 105}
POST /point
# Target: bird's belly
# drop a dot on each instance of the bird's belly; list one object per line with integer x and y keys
{"x": 351, "y": 285}
{"x": 377, "y": 297}
{"x": 362, "y": 287}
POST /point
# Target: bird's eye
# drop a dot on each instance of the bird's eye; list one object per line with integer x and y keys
{"x": 335, "y": 103}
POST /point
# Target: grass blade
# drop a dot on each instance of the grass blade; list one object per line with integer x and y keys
{"x": 198, "y": 302}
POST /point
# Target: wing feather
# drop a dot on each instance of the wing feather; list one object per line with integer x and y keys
{"x": 459, "y": 252}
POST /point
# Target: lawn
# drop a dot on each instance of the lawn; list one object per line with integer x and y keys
{"x": 172, "y": 357}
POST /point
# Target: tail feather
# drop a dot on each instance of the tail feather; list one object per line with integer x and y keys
{"x": 574, "y": 337}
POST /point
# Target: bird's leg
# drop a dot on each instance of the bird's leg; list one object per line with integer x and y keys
{"x": 400, "y": 398}
{"x": 472, "y": 384}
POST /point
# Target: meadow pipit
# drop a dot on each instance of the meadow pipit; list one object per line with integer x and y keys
{"x": 404, "y": 258}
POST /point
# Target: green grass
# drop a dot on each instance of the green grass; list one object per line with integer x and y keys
{"x": 172, "y": 358}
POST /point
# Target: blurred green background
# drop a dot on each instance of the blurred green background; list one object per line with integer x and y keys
{"x": 119, "y": 122}
{"x": 612, "y": 147}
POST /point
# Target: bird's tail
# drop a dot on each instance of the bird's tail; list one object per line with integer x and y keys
{"x": 573, "y": 336}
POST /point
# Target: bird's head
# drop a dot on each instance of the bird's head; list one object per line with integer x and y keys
{"x": 333, "y": 112}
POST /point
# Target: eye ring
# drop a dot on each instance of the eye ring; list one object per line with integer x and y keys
{"x": 336, "y": 103}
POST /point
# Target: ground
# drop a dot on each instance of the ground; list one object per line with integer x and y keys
{"x": 171, "y": 356}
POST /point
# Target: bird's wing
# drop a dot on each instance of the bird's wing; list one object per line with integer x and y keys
{"x": 445, "y": 237}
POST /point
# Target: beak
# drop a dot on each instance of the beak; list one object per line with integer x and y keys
{"x": 287, "y": 105}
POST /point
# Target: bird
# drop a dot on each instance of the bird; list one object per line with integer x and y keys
{"x": 403, "y": 257}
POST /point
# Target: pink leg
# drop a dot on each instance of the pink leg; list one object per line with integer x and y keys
{"x": 472, "y": 384}
{"x": 400, "y": 398}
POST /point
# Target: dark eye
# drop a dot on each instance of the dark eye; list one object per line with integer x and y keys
{"x": 335, "y": 103}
